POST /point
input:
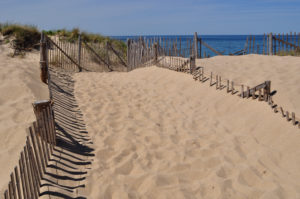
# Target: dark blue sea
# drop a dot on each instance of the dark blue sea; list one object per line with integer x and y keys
{"x": 226, "y": 44}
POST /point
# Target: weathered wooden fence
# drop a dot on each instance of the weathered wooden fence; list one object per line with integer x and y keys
{"x": 27, "y": 175}
{"x": 170, "y": 52}
{"x": 141, "y": 52}
{"x": 273, "y": 44}
{"x": 167, "y": 54}
{"x": 82, "y": 56}
{"x": 25, "y": 180}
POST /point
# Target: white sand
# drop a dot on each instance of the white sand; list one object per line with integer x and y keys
{"x": 159, "y": 134}
{"x": 20, "y": 86}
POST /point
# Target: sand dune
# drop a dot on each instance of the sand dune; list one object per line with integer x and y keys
{"x": 159, "y": 134}
{"x": 252, "y": 70}
{"x": 20, "y": 86}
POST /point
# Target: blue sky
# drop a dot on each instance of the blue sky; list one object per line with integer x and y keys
{"x": 140, "y": 17}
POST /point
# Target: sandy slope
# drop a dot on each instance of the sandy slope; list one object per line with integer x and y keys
{"x": 20, "y": 86}
{"x": 159, "y": 134}
{"x": 251, "y": 70}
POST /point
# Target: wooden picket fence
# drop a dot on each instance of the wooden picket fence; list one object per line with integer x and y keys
{"x": 81, "y": 56}
{"x": 140, "y": 52}
{"x": 166, "y": 55}
{"x": 273, "y": 44}
{"x": 25, "y": 180}
{"x": 171, "y": 52}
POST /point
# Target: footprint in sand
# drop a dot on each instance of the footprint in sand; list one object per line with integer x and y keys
{"x": 249, "y": 177}
{"x": 125, "y": 168}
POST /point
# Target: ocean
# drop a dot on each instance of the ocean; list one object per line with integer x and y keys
{"x": 226, "y": 44}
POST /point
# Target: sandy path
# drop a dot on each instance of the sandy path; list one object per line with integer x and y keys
{"x": 20, "y": 86}
{"x": 159, "y": 134}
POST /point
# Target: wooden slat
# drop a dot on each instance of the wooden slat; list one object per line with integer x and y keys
{"x": 259, "y": 95}
{"x": 227, "y": 87}
{"x": 39, "y": 147}
{"x": 232, "y": 87}
{"x": 24, "y": 186}
{"x": 17, "y": 177}
{"x": 249, "y": 46}
{"x": 242, "y": 91}
{"x": 10, "y": 191}
{"x": 248, "y": 92}
{"x": 96, "y": 54}
{"x": 217, "y": 82}
{"x": 293, "y": 118}
{"x": 13, "y": 185}
{"x": 270, "y": 101}
{"x": 64, "y": 53}
{"x": 49, "y": 124}
{"x": 43, "y": 143}
{"x": 47, "y": 130}
{"x": 208, "y": 46}
{"x": 117, "y": 54}
{"x": 286, "y": 43}
{"x": 6, "y": 195}
{"x": 28, "y": 174}
{"x": 264, "y": 40}
{"x": 35, "y": 169}
{"x": 26, "y": 180}
{"x": 253, "y": 46}
{"x": 52, "y": 123}
{"x": 38, "y": 159}
{"x": 32, "y": 171}
{"x": 282, "y": 113}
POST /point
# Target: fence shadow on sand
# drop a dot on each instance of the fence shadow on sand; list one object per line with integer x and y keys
{"x": 71, "y": 158}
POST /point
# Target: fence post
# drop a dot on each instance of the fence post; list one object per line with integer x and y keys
{"x": 267, "y": 90}
{"x": 155, "y": 52}
{"x": 43, "y": 59}
{"x": 128, "y": 56}
{"x": 195, "y": 45}
{"x": 79, "y": 52}
{"x": 107, "y": 53}
{"x": 200, "y": 53}
{"x": 270, "y": 44}
{"x": 192, "y": 64}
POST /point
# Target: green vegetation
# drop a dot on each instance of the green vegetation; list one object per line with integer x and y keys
{"x": 27, "y": 37}
{"x": 289, "y": 53}
{"x": 99, "y": 40}
{"x": 22, "y": 37}
{"x": 72, "y": 36}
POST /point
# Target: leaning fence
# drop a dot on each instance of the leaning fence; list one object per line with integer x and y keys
{"x": 25, "y": 180}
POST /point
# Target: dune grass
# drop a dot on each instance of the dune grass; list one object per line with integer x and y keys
{"x": 23, "y": 37}
{"x": 289, "y": 53}
{"x": 27, "y": 37}
{"x": 72, "y": 36}
{"x": 98, "y": 39}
